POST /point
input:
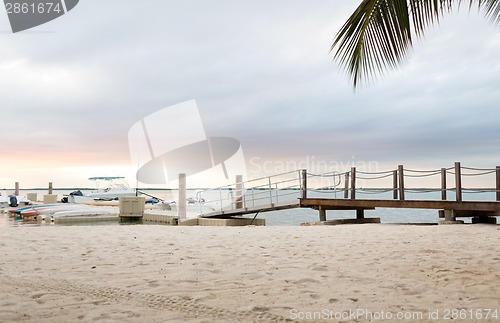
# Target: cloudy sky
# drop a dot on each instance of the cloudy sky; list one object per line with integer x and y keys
{"x": 260, "y": 71}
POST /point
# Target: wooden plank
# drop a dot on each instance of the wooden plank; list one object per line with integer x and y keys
{"x": 251, "y": 210}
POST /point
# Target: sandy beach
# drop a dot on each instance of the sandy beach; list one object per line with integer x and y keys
{"x": 149, "y": 273}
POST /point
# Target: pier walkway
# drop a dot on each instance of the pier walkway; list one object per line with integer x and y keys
{"x": 341, "y": 191}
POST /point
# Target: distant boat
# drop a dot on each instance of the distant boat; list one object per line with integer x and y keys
{"x": 116, "y": 187}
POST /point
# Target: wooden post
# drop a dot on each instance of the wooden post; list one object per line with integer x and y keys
{"x": 443, "y": 184}
{"x": 395, "y": 184}
{"x": 360, "y": 214}
{"x": 181, "y": 212}
{"x": 239, "y": 192}
{"x": 458, "y": 182}
{"x": 346, "y": 186}
{"x": 303, "y": 186}
{"x": 50, "y": 187}
{"x": 401, "y": 183}
{"x": 353, "y": 183}
{"x": 16, "y": 189}
{"x": 498, "y": 183}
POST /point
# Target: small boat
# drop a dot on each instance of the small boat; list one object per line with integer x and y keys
{"x": 43, "y": 209}
{"x": 194, "y": 207}
{"x": 89, "y": 211}
{"x": 20, "y": 200}
{"x": 116, "y": 187}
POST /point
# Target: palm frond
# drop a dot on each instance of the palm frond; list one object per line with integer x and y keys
{"x": 378, "y": 35}
{"x": 491, "y": 9}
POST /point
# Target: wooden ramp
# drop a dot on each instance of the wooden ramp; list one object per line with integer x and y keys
{"x": 252, "y": 210}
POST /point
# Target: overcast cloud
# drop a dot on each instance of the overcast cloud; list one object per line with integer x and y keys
{"x": 260, "y": 71}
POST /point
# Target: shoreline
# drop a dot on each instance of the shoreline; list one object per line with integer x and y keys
{"x": 150, "y": 273}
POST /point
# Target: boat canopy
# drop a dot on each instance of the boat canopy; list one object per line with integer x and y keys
{"x": 105, "y": 178}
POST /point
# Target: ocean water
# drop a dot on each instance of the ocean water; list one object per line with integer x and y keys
{"x": 294, "y": 217}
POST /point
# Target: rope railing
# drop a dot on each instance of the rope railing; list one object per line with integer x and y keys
{"x": 423, "y": 175}
{"x": 479, "y": 174}
{"x": 479, "y": 169}
{"x": 421, "y": 171}
{"x": 377, "y": 177}
{"x": 375, "y": 173}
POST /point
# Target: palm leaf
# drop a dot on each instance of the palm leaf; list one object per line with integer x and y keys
{"x": 378, "y": 35}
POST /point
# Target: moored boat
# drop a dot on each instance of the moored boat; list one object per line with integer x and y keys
{"x": 116, "y": 187}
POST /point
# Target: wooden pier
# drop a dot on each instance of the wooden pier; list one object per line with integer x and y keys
{"x": 300, "y": 189}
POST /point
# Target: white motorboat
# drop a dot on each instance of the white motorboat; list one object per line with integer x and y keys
{"x": 116, "y": 187}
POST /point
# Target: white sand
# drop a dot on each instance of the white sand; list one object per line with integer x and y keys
{"x": 147, "y": 273}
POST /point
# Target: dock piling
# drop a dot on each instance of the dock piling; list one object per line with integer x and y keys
{"x": 182, "y": 196}
{"x": 498, "y": 183}
{"x": 395, "y": 184}
{"x": 458, "y": 181}
{"x": 303, "y": 186}
{"x": 353, "y": 183}
{"x": 239, "y": 192}
{"x": 401, "y": 183}
{"x": 346, "y": 185}
{"x": 443, "y": 184}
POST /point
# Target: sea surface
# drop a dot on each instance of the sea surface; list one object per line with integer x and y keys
{"x": 293, "y": 217}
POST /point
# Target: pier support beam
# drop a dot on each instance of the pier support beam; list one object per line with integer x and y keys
{"x": 16, "y": 189}
{"x": 450, "y": 218}
{"x": 50, "y": 188}
{"x": 322, "y": 214}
